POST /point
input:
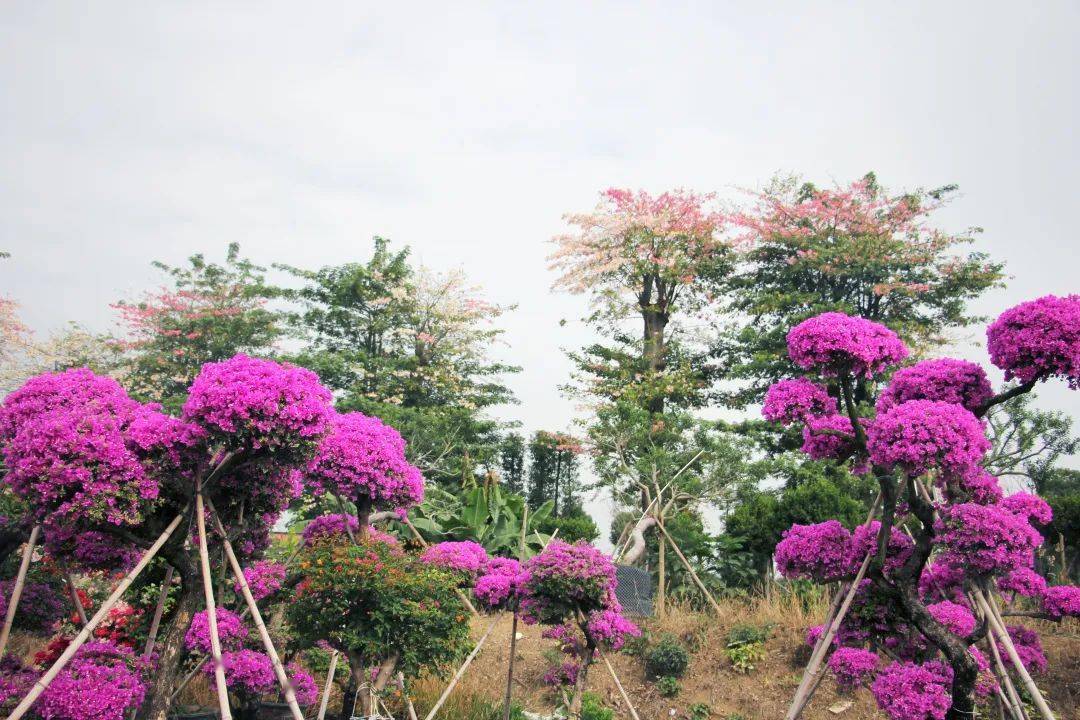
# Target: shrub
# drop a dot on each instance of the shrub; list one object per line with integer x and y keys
{"x": 700, "y": 711}
{"x": 668, "y": 686}
{"x": 667, "y": 658}
{"x": 593, "y": 709}
{"x": 572, "y": 527}
{"x": 746, "y": 646}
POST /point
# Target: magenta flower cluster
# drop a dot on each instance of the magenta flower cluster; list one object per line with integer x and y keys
{"x": 610, "y": 628}
{"x": 944, "y": 380}
{"x": 363, "y": 460}
{"x": 465, "y": 556}
{"x": 1031, "y": 507}
{"x": 852, "y": 666}
{"x": 102, "y": 682}
{"x": 828, "y": 437}
{"x": 922, "y": 435}
{"x": 1023, "y": 581}
{"x": 865, "y": 541}
{"x": 1028, "y": 647}
{"x": 231, "y": 631}
{"x": 985, "y": 539}
{"x": 566, "y": 578}
{"x": 796, "y": 400}
{"x": 955, "y": 617}
{"x": 256, "y": 404}
{"x": 1038, "y": 339}
{"x": 821, "y": 552}
{"x": 303, "y": 684}
{"x": 1061, "y": 601}
{"x": 89, "y": 550}
{"x": 908, "y": 691}
{"x": 264, "y": 578}
{"x": 834, "y": 343}
{"x": 76, "y": 389}
{"x": 500, "y": 584}
{"x": 249, "y": 674}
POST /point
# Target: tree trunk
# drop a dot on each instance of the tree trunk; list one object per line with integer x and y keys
{"x": 585, "y": 661}
{"x": 170, "y": 650}
{"x": 661, "y": 572}
{"x": 356, "y": 670}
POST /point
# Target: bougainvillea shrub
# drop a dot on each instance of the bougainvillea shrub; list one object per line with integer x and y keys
{"x": 946, "y": 528}
{"x": 379, "y": 606}
{"x": 102, "y": 682}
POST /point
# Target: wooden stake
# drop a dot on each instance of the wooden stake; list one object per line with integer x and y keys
{"x": 622, "y": 691}
{"x": 211, "y": 608}
{"x": 159, "y": 610}
{"x": 405, "y": 694}
{"x": 329, "y": 684}
{"x": 1010, "y": 698}
{"x": 508, "y": 698}
{"x": 264, "y": 635}
{"x": 75, "y": 600}
{"x": 686, "y": 564}
{"x": 16, "y": 592}
{"x": 461, "y": 670}
{"x": 84, "y": 634}
{"x": 1003, "y": 635}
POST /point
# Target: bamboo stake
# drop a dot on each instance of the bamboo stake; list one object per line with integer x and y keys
{"x": 1003, "y": 635}
{"x": 461, "y": 595}
{"x": 404, "y": 693}
{"x": 211, "y": 608}
{"x": 16, "y": 592}
{"x": 329, "y": 684}
{"x": 70, "y": 582}
{"x": 1012, "y": 700}
{"x": 648, "y": 508}
{"x": 622, "y": 690}
{"x": 159, "y": 610}
{"x": 84, "y": 634}
{"x": 686, "y": 564}
{"x": 461, "y": 670}
{"x": 264, "y": 634}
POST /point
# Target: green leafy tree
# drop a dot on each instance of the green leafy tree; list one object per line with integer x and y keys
{"x": 859, "y": 250}
{"x": 553, "y": 470}
{"x": 512, "y": 462}
{"x": 410, "y": 346}
{"x": 380, "y": 607}
{"x": 210, "y": 313}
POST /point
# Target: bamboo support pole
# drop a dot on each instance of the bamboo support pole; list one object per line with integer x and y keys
{"x": 1010, "y": 697}
{"x": 461, "y": 670}
{"x": 159, "y": 611}
{"x": 16, "y": 592}
{"x": 253, "y": 608}
{"x": 329, "y": 684}
{"x": 75, "y": 600}
{"x": 84, "y": 634}
{"x": 508, "y": 698}
{"x": 619, "y": 685}
{"x": 648, "y": 508}
{"x": 686, "y": 564}
{"x": 211, "y": 608}
{"x": 405, "y": 694}
{"x": 999, "y": 630}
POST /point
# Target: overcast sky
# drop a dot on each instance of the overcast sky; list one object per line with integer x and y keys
{"x": 149, "y": 130}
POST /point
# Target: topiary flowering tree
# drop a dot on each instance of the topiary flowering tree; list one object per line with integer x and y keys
{"x": 571, "y": 589}
{"x": 363, "y": 461}
{"x": 91, "y": 463}
{"x": 918, "y": 579}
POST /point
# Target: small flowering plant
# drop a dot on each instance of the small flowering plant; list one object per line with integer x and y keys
{"x": 946, "y": 530}
{"x": 379, "y": 606}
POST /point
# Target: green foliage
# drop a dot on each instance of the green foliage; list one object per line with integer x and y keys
{"x": 211, "y": 313}
{"x": 746, "y": 646}
{"x": 411, "y": 347}
{"x": 573, "y": 526}
{"x": 372, "y": 600}
{"x": 700, "y": 711}
{"x": 1027, "y": 442}
{"x": 592, "y": 708}
{"x": 667, "y": 658}
{"x": 485, "y": 515}
{"x": 512, "y": 463}
{"x": 553, "y": 470}
{"x": 668, "y": 686}
{"x": 1061, "y": 488}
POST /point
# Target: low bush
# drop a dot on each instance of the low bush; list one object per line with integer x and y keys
{"x": 668, "y": 658}
{"x": 668, "y": 686}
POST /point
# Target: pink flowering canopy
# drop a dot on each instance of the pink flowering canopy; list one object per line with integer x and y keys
{"x": 465, "y": 556}
{"x": 253, "y": 404}
{"x": 231, "y": 631}
{"x": 363, "y": 460}
{"x": 796, "y": 400}
{"x": 834, "y": 343}
{"x": 264, "y": 578}
{"x": 248, "y": 673}
{"x": 819, "y": 552}
{"x": 945, "y": 380}
{"x": 1037, "y": 340}
{"x": 852, "y": 666}
{"x": 500, "y": 584}
{"x": 921, "y": 435}
{"x": 908, "y": 691}
{"x": 103, "y": 681}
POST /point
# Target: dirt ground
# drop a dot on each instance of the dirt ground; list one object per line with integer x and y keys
{"x": 762, "y": 694}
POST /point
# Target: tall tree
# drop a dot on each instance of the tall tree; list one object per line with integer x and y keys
{"x": 553, "y": 471}
{"x": 512, "y": 462}
{"x": 411, "y": 346}
{"x": 210, "y": 313}
{"x": 858, "y": 249}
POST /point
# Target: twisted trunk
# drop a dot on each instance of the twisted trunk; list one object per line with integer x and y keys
{"x": 171, "y": 651}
